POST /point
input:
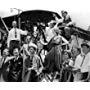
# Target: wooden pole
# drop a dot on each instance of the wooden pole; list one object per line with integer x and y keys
{"x": 4, "y": 24}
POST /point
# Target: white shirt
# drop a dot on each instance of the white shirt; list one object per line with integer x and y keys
{"x": 11, "y": 35}
{"x": 86, "y": 63}
{"x": 78, "y": 62}
{"x": 49, "y": 34}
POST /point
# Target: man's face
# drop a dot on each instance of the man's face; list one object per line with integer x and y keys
{"x": 16, "y": 52}
{"x": 67, "y": 31}
{"x": 5, "y": 52}
{"x": 51, "y": 25}
{"x": 73, "y": 37}
{"x": 85, "y": 49}
{"x": 75, "y": 52}
{"x": 14, "y": 24}
{"x": 64, "y": 15}
{"x": 35, "y": 33}
{"x": 31, "y": 50}
{"x": 28, "y": 39}
{"x": 65, "y": 56}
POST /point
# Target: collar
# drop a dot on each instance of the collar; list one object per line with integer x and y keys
{"x": 83, "y": 54}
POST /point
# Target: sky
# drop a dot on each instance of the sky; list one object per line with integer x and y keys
{"x": 77, "y": 9}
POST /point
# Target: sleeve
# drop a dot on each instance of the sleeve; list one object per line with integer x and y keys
{"x": 23, "y": 32}
{"x": 76, "y": 64}
{"x": 8, "y": 40}
{"x": 65, "y": 40}
{"x": 38, "y": 61}
{"x": 40, "y": 65}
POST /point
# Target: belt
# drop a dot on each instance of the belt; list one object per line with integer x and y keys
{"x": 16, "y": 40}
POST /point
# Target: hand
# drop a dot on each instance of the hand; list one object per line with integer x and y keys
{"x": 29, "y": 69}
{"x": 77, "y": 70}
{"x": 54, "y": 15}
{"x": 84, "y": 80}
{"x": 26, "y": 32}
{"x": 7, "y": 69}
{"x": 38, "y": 73}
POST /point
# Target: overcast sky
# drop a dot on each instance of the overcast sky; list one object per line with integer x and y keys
{"x": 77, "y": 9}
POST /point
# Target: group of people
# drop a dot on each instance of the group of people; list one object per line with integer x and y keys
{"x": 54, "y": 54}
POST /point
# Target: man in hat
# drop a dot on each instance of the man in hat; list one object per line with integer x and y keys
{"x": 33, "y": 64}
{"x": 66, "y": 19}
{"x": 14, "y": 37}
{"x": 82, "y": 64}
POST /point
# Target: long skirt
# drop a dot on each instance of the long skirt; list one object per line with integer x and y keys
{"x": 31, "y": 76}
{"x": 53, "y": 59}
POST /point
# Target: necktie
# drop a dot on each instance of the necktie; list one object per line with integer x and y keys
{"x": 82, "y": 60}
{"x": 15, "y": 33}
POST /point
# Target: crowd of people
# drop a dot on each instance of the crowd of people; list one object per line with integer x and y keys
{"x": 49, "y": 54}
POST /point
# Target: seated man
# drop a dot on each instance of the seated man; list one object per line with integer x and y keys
{"x": 82, "y": 64}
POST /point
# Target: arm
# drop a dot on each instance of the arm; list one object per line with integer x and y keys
{"x": 23, "y": 32}
{"x": 71, "y": 23}
{"x": 26, "y": 51}
{"x": 8, "y": 40}
{"x": 65, "y": 40}
{"x": 40, "y": 69}
{"x": 40, "y": 66}
{"x": 9, "y": 58}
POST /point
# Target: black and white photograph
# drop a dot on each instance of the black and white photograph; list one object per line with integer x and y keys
{"x": 44, "y": 41}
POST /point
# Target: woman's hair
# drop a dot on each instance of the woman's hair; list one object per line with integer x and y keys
{"x": 6, "y": 48}
{"x": 69, "y": 54}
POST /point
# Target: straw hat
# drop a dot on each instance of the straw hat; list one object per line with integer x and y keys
{"x": 33, "y": 45}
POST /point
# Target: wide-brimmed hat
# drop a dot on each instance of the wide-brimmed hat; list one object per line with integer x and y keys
{"x": 33, "y": 45}
{"x": 67, "y": 28}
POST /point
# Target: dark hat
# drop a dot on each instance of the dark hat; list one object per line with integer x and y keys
{"x": 85, "y": 44}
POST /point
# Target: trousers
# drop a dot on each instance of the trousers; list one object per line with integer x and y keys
{"x": 14, "y": 44}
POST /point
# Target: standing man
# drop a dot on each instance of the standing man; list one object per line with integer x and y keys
{"x": 14, "y": 37}
{"x": 15, "y": 67}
